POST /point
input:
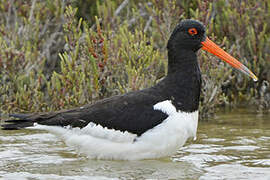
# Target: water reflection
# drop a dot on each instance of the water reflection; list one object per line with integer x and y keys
{"x": 232, "y": 146}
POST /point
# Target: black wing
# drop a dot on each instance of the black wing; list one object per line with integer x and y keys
{"x": 132, "y": 112}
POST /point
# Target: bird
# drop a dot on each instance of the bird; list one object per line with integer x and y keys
{"x": 145, "y": 124}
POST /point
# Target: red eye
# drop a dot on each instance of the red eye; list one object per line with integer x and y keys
{"x": 192, "y": 31}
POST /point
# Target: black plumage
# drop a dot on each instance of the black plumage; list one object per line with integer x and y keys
{"x": 133, "y": 112}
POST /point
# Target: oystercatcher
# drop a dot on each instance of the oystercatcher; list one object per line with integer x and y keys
{"x": 149, "y": 123}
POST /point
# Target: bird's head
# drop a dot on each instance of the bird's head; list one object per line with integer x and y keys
{"x": 189, "y": 35}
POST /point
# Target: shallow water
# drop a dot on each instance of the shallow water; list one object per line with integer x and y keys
{"x": 234, "y": 145}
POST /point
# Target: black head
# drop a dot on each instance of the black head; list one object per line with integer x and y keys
{"x": 188, "y": 34}
{"x": 184, "y": 77}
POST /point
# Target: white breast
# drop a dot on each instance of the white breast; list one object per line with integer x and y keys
{"x": 102, "y": 143}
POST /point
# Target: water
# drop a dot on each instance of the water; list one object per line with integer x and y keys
{"x": 235, "y": 145}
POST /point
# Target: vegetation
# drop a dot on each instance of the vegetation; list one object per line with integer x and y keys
{"x": 62, "y": 54}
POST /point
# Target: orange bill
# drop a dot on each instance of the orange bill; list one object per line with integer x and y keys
{"x": 211, "y": 47}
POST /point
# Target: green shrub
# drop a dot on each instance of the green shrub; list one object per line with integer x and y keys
{"x": 51, "y": 58}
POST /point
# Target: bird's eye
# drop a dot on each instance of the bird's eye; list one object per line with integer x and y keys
{"x": 192, "y": 31}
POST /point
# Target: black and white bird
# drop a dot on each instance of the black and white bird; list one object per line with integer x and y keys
{"x": 150, "y": 123}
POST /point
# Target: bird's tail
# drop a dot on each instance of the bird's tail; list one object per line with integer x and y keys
{"x": 16, "y": 121}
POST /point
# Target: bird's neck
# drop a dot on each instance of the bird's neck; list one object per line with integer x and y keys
{"x": 179, "y": 59}
{"x": 183, "y": 82}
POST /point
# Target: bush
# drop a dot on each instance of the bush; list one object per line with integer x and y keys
{"x": 51, "y": 58}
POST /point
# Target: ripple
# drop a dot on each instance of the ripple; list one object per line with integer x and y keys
{"x": 244, "y": 141}
{"x": 201, "y": 148}
{"x": 31, "y": 138}
{"x": 214, "y": 140}
{"x": 261, "y": 162}
{"x": 242, "y": 148}
{"x": 264, "y": 138}
{"x": 27, "y": 175}
{"x": 45, "y": 159}
{"x": 217, "y": 154}
{"x": 41, "y": 137}
{"x": 202, "y": 160}
{"x": 235, "y": 171}
{"x": 12, "y": 154}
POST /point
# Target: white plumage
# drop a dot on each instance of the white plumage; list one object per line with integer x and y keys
{"x": 102, "y": 143}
